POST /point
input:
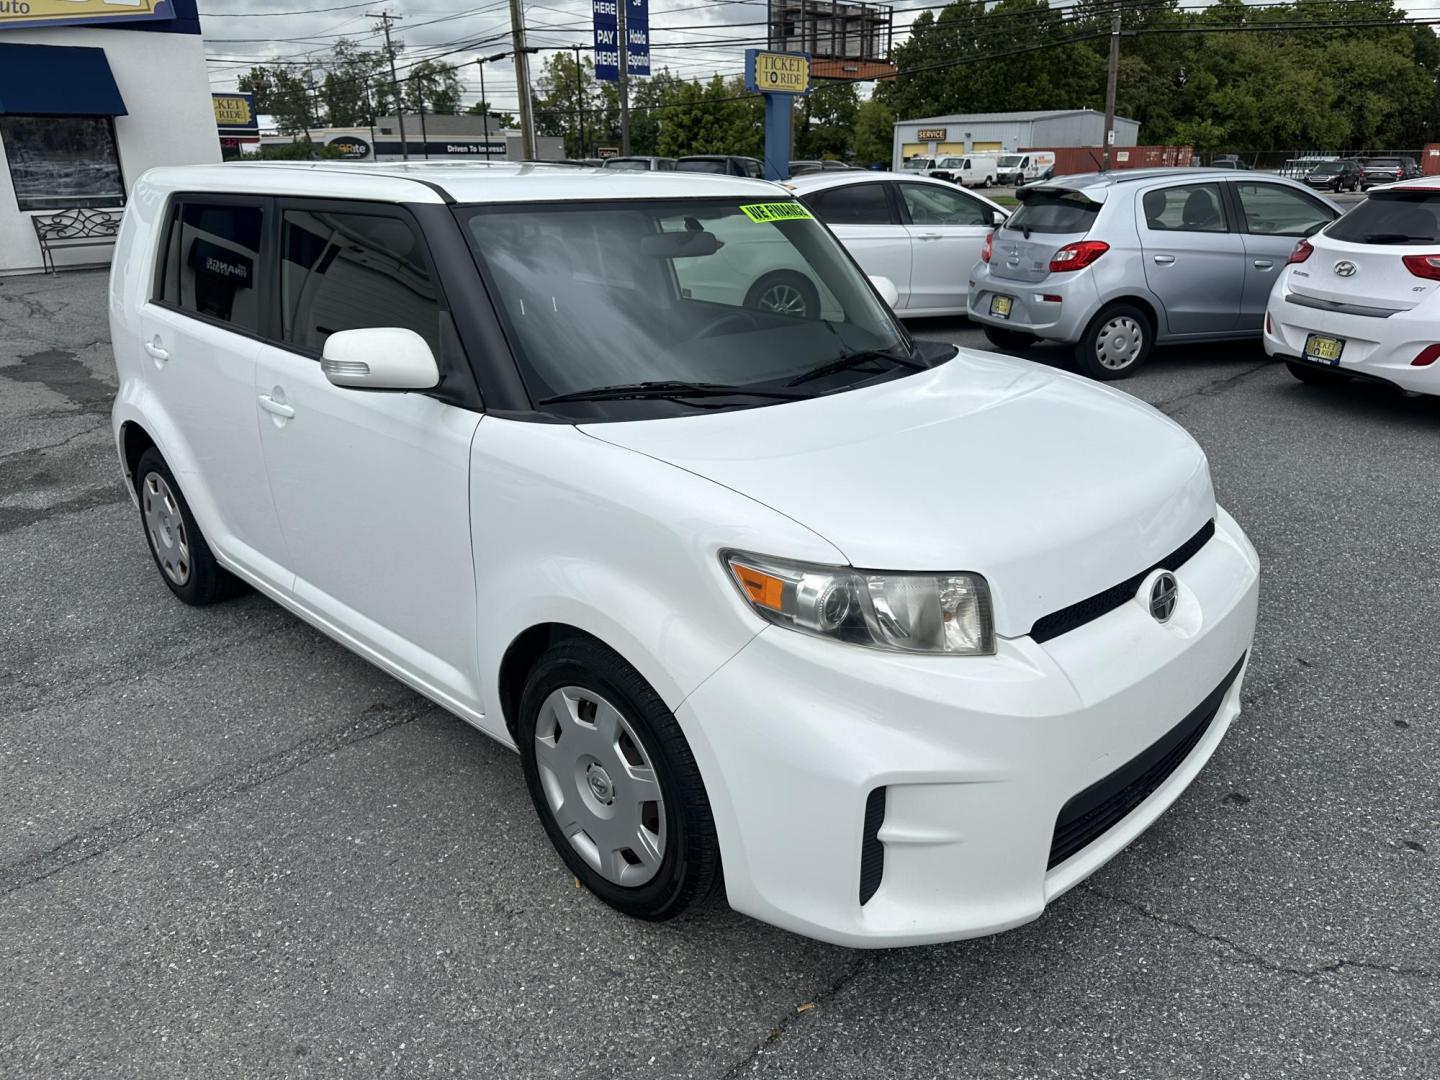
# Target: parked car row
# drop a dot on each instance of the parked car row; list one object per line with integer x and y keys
{"x": 718, "y": 164}
{"x": 894, "y": 632}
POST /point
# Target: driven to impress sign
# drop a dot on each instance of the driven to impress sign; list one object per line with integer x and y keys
{"x": 61, "y": 12}
{"x": 777, "y": 72}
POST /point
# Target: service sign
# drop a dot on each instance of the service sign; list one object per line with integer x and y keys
{"x": 235, "y": 114}
{"x": 63, "y": 12}
{"x": 930, "y": 135}
{"x": 777, "y": 72}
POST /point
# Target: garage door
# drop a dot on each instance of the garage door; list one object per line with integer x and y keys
{"x": 988, "y": 147}
{"x": 910, "y": 149}
{"x": 945, "y": 149}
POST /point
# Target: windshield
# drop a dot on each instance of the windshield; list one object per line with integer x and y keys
{"x": 628, "y": 165}
{"x": 1326, "y": 168}
{"x": 1009, "y": 161}
{"x": 1383, "y": 163}
{"x": 1053, "y": 212}
{"x": 1391, "y": 217}
{"x": 729, "y": 292}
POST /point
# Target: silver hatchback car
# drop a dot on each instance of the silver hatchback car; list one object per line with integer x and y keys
{"x": 1115, "y": 263}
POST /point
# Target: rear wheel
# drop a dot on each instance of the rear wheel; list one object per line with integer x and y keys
{"x": 1009, "y": 340}
{"x": 177, "y": 545}
{"x": 1116, "y": 342}
{"x": 615, "y": 783}
{"x": 785, "y": 293}
{"x": 1311, "y": 375}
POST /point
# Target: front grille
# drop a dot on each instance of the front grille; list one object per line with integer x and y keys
{"x": 1089, "y": 815}
{"x": 1102, "y": 603}
{"x": 872, "y": 851}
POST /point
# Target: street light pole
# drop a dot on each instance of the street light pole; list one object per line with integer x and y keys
{"x": 580, "y": 98}
{"x": 485, "y": 101}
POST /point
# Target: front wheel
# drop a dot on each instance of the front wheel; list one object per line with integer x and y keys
{"x": 785, "y": 292}
{"x": 1116, "y": 342}
{"x": 988, "y": 181}
{"x": 1314, "y": 376}
{"x": 1009, "y": 340}
{"x": 615, "y": 783}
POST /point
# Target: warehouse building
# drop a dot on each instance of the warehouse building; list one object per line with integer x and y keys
{"x": 979, "y": 133}
{"x": 93, "y": 93}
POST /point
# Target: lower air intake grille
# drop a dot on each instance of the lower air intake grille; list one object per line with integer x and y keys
{"x": 1102, "y": 603}
{"x": 1087, "y": 816}
{"x": 872, "y": 851}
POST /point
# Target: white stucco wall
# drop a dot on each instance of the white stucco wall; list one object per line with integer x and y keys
{"x": 163, "y": 81}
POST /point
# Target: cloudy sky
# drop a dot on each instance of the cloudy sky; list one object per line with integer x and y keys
{"x": 689, "y": 36}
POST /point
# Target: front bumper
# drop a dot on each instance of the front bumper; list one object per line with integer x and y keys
{"x": 1375, "y": 347}
{"x": 977, "y": 757}
{"x": 1057, "y": 308}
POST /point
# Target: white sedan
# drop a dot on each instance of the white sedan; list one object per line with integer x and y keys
{"x": 1362, "y": 297}
{"x": 921, "y": 233}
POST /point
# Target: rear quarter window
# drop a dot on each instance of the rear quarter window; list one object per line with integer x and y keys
{"x": 1054, "y": 212}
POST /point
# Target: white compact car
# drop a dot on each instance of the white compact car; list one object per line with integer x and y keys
{"x": 921, "y": 233}
{"x": 908, "y": 639}
{"x": 1359, "y": 298}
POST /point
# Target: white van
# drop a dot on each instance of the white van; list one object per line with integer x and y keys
{"x": 1020, "y": 169}
{"x": 912, "y": 639}
{"x": 971, "y": 170}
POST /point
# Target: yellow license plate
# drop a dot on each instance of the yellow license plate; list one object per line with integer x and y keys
{"x": 1000, "y": 306}
{"x": 1327, "y": 350}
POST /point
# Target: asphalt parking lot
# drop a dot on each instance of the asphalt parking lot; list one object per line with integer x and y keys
{"x": 232, "y": 849}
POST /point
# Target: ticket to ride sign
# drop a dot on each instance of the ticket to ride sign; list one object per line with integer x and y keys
{"x": 777, "y": 72}
{"x": 63, "y": 12}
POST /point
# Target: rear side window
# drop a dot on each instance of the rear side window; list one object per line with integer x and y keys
{"x": 1275, "y": 210}
{"x": 1391, "y": 217}
{"x": 212, "y": 257}
{"x": 930, "y": 204}
{"x": 1186, "y": 208}
{"x": 348, "y": 271}
{"x": 1053, "y": 212}
{"x": 854, "y": 204}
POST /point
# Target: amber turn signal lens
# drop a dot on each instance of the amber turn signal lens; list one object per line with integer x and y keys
{"x": 762, "y": 588}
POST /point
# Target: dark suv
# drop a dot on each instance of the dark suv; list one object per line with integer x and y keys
{"x": 1346, "y": 175}
{"x": 1387, "y": 170}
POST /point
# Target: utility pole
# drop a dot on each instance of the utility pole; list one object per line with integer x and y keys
{"x": 385, "y": 18}
{"x": 485, "y": 101}
{"x": 419, "y": 94}
{"x": 1111, "y": 79}
{"x": 624, "y": 32}
{"x": 522, "y": 80}
{"x": 580, "y": 98}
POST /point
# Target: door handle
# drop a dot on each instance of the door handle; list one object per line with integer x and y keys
{"x": 279, "y": 408}
{"x": 1164, "y": 260}
{"x": 1262, "y": 264}
{"x": 930, "y": 236}
{"x": 157, "y": 351}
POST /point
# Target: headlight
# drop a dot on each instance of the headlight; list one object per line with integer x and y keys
{"x": 914, "y": 613}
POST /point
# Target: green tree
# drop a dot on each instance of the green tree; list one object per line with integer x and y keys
{"x": 874, "y": 132}
{"x": 827, "y": 126}
{"x": 434, "y": 86}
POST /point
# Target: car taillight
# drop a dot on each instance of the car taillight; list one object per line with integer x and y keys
{"x": 1302, "y": 252}
{"x": 1426, "y": 356}
{"x": 1078, "y": 255}
{"x": 1426, "y": 266}
{"x": 987, "y": 247}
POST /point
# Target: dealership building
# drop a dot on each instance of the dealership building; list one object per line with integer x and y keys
{"x": 93, "y": 93}
{"x": 980, "y": 133}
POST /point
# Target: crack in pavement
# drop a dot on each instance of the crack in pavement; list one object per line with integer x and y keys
{"x": 1251, "y": 956}
{"x": 1173, "y": 406}
{"x": 18, "y": 517}
{"x": 846, "y": 976}
{"x": 46, "y": 447}
{"x": 375, "y": 720}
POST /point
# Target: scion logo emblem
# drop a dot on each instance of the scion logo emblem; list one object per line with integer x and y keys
{"x": 1345, "y": 268}
{"x": 1163, "y": 596}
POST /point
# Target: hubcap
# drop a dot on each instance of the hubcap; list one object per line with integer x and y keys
{"x": 600, "y": 786}
{"x": 165, "y": 526}
{"x": 783, "y": 300}
{"x": 1119, "y": 342}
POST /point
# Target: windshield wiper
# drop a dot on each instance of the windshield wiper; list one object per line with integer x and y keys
{"x": 850, "y": 360}
{"x": 665, "y": 388}
{"x": 1396, "y": 238}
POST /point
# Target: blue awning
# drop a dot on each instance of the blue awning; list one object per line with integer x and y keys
{"x": 57, "y": 80}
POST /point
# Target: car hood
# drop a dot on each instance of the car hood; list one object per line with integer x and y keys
{"x": 1052, "y": 487}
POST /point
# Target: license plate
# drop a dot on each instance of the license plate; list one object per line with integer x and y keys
{"x": 1000, "y": 306}
{"x": 1325, "y": 350}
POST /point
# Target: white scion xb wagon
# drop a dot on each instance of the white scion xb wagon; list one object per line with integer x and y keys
{"x": 909, "y": 639}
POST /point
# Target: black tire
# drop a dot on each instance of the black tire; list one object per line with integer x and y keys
{"x": 689, "y": 867}
{"x": 1009, "y": 340}
{"x": 989, "y": 181}
{"x": 1311, "y": 375}
{"x": 775, "y": 285}
{"x": 203, "y": 581}
{"x": 1115, "y": 319}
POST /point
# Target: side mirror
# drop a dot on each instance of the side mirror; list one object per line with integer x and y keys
{"x": 886, "y": 288}
{"x": 379, "y": 358}
{"x": 998, "y": 217}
